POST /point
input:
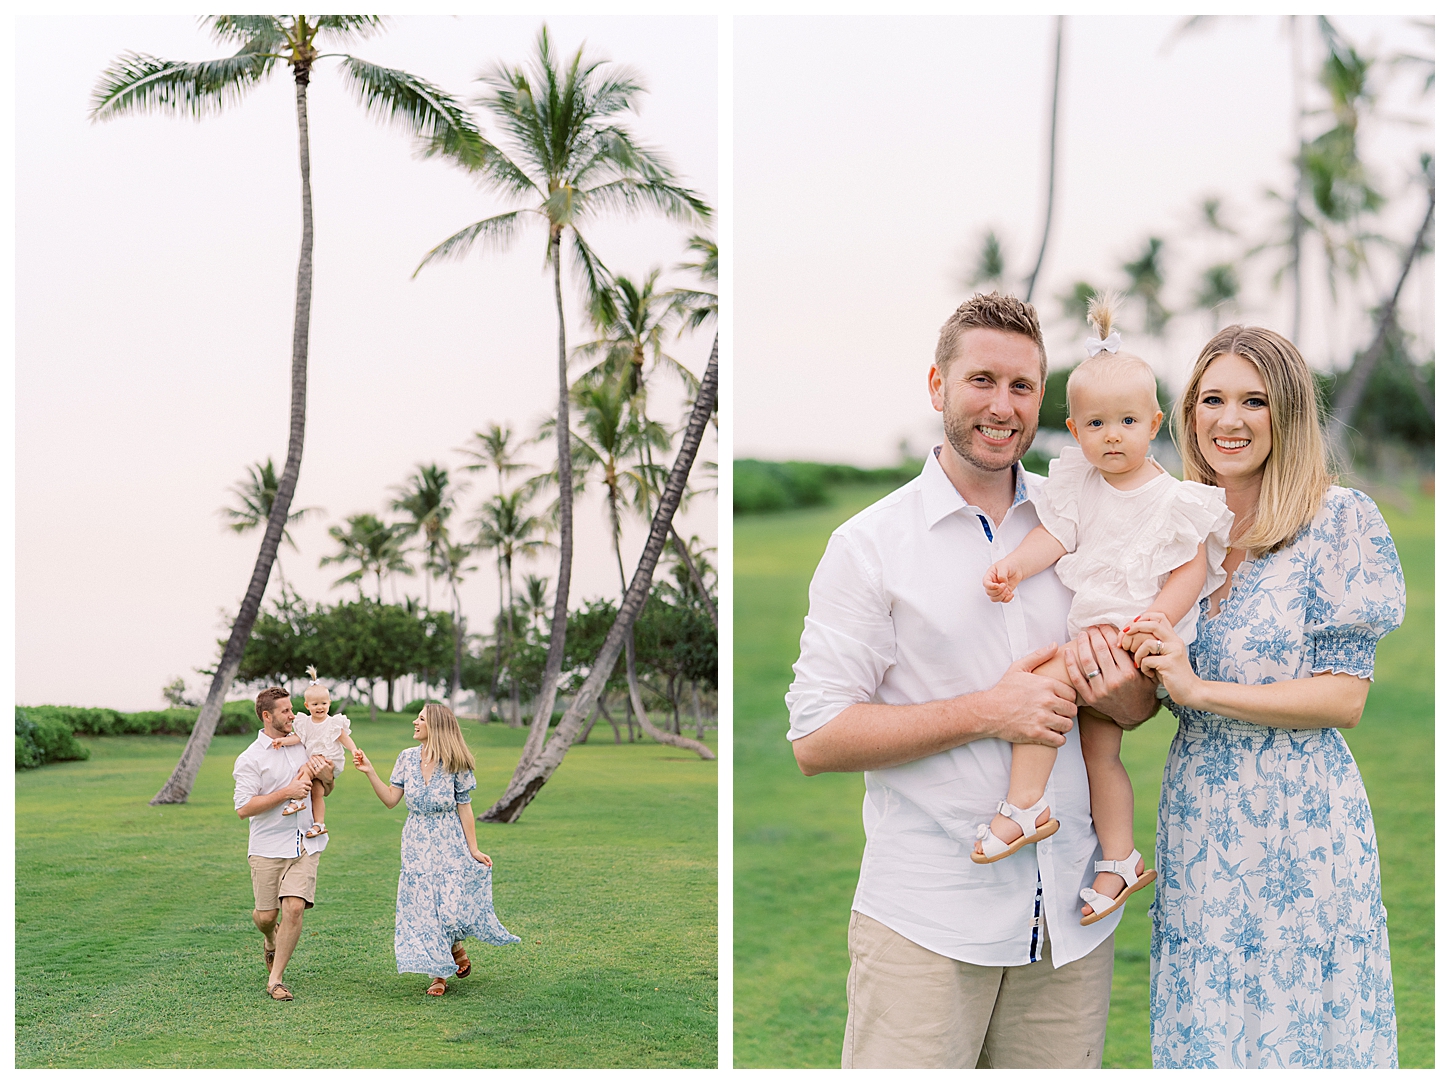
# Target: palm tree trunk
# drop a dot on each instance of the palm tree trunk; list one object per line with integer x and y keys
{"x": 695, "y": 704}
{"x": 1348, "y": 400}
{"x": 1051, "y": 159}
{"x": 183, "y": 777}
{"x": 527, "y": 783}
{"x": 554, "y": 660}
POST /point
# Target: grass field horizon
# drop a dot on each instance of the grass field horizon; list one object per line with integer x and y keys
{"x": 134, "y": 944}
{"x": 798, "y": 841}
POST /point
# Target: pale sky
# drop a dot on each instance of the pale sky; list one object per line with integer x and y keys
{"x": 871, "y": 154}
{"x": 155, "y": 271}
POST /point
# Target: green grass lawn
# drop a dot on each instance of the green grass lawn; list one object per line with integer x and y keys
{"x": 134, "y": 944}
{"x": 798, "y": 841}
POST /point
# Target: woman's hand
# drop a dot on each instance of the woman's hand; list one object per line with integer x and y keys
{"x": 362, "y": 763}
{"x": 479, "y": 856}
{"x": 1164, "y": 656}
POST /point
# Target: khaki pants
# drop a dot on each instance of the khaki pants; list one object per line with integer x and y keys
{"x": 910, "y": 1008}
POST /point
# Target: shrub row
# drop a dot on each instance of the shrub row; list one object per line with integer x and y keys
{"x": 47, "y": 733}
{"x": 762, "y": 486}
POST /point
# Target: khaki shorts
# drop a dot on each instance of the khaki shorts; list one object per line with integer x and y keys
{"x": 273, "y": 878}
{"x": 909, "y": 1008}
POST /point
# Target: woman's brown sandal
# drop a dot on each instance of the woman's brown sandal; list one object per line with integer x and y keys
{"x": 465, "y": 965}
{"x": 437, "y": 988}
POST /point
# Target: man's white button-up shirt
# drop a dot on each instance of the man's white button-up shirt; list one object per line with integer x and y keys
{"x": 898, "y": 615}
{"x": 264, "y": 770}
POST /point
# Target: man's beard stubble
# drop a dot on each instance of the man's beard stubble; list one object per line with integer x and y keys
{"x": 959, "y": 434}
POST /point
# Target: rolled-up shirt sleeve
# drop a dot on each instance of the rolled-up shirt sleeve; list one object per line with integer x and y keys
{"x": 248, "y": 776}
{"x": 849, "y": 640}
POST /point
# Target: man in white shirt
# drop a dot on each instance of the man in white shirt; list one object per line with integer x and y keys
{"x": 283, "y": 861}
{"x": 907, "y": 673}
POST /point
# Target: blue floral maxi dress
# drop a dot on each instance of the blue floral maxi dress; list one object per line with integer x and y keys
{"x": 444, "y": 893}
{"x": 1269, "y": 941}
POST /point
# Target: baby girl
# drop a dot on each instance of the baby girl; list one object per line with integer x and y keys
{"x": 1127, "y": 538}
{"x": 323, "y": 735}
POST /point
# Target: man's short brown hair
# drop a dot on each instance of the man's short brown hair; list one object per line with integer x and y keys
{"x": 1002, "y": 312}
{"x": 267, "y": 699}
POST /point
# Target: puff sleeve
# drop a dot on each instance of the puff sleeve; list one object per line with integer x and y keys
{"x": 1195, "y": 515}
{"x": 1058, "y": 500}
{"x": 399, "y": 771}
{"x": 463, "y": 787}
{"x": 1352, "y": 589}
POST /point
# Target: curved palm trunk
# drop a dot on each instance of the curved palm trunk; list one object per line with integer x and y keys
{"x": 183, "y": 777}
{"x": 1051, "y": 159}
{"x": 1347, "y": 402}
{"x": 528, "y": 782}
{"x": 554, "y": 660}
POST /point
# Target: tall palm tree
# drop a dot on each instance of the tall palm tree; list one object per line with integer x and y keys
{"x": 375, "y": 546}
{"x": 139, "y": 83}
{"x": 506, "y": 526}
{"x": 699, "y": 306}
{"x": 255, "y": 494}
{"x": 428, "y": 499}
{"x": 572, "y": 160}
{"x": 536, "y": 598}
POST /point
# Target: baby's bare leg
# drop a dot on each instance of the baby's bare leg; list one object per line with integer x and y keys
{"x": 319, "y": 806}
{"x": 1112, "y": 797}
{"x": 1031, "y": 765}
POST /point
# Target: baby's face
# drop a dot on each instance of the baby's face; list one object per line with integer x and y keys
{"x": 318, "y": 704}
{"x": 1114, "y": 422}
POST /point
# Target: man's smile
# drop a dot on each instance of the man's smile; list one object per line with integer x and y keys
{"x": 991, "y": 432}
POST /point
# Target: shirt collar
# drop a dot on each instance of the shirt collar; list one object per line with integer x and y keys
{"x": 939, "y": 498}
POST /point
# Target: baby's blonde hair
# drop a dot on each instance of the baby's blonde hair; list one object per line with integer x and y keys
{"x": 1121, "y": 366}
{"x": 316, "y": 685}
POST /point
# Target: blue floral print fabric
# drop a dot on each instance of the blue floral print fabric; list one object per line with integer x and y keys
{"x": 444, "y": 894}
{"x": 1269, "y": 944}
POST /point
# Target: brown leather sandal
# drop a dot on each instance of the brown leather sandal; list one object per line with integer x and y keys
{"x": 278, "y": 992}
{"x": 437, "y": 988}
{"x": 465, "y": 965}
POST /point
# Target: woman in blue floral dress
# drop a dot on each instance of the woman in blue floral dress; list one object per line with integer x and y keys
{"x": 445, "y": 886}
{"x": 1270, "y": 948}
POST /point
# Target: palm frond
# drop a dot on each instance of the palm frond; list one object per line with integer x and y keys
{"x": 254, "y": 30}
{"x": 419, "y": 107}
{"x": 138, "y": 82}
{"x": 342, "y": 28}
{"x": 498, "y": 230}
{"x": 595, "y": 280}
{"x": 633, "y": 194}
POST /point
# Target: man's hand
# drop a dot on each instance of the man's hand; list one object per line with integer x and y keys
{"x": 1106, "y": 679}
{"x": 298, "y": 788}
{"x": 1026, "y": 708}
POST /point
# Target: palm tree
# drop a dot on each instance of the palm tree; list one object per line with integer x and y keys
{"x": 536, "y": 598}
{"x": 505, "y": 526}
{"x": 141, "y": 83}
{"x": 699, "y": 306}
{"x": 532, "y": 777}
{"x": 453, "y": 566}
{"x": 572, "y": 160}
{"x": 256, "y": 492}
{"x": 494, "y": 449}
{"x": 428, "y": 500}
{"x": 375, "y": 546}
{"x": 1145, "y": 282}
{"x": 632, "y": 326}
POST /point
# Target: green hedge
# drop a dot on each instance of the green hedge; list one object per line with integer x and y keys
{"x": 47, "y": 732}
{"x": 762, "y": 486}
{"x": 40, "y": 739}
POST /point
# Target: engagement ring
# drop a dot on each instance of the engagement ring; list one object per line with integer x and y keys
{"x": 1157, "y": 647}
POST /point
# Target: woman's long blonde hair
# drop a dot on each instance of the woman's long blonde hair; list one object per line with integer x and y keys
{"x": 444, "y": 744}
{"x": 1300, "y": 467}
